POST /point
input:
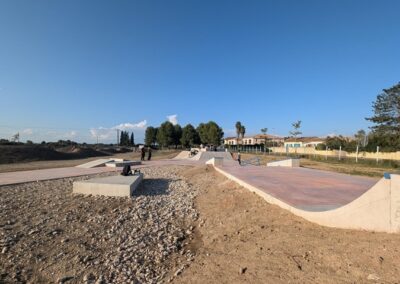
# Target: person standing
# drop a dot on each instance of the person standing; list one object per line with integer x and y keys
{"x": 149, "y": 155}
{"x": 142, "y": 153}
{"x": 239, "y": 158}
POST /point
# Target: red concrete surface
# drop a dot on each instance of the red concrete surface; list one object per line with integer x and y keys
{"x": 303, "y": 188}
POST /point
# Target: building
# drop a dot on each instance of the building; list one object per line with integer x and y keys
{"x": 303, "y": 142}
{"x": 258, "y": 139}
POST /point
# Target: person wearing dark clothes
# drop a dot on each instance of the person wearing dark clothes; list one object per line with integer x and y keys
{"x": 238, "y": 158}
{"x": 142, "y": 154}
{"x": 149, "y": 155}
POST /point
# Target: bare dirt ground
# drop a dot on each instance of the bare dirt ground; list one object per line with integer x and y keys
{"x": 242, "y": 239}
{"x": 185, "y": 225}
{"x": 72, "y": 163}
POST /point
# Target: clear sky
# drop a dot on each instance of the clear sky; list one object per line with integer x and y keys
{"x": 68, "y": 67}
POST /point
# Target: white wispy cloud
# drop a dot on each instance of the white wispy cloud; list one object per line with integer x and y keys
{"x": 71, "y": 134}
{"x": 129, "y": 126}
{"x": 104, "y": 133}
{"x": 27, "y": 131}
{"x": 173, "y": 118}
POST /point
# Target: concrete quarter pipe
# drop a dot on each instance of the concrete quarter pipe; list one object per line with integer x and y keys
{"x": 328, "y": 199}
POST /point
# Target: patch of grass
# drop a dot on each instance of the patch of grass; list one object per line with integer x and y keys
{"x": 365, "y": 167}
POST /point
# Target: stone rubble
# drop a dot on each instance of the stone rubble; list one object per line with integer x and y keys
{"x": 48, "y": 234}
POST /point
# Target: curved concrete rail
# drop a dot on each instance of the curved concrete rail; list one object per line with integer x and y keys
{"x": 378, "y": 209}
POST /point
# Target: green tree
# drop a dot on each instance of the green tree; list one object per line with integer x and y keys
{"x": 242, "y": 131}
{"x": 177, "y": 134}
{"x": 150, "y": 137}
{"x": 190, "y": 137}
{"x": 387, "y": 112}
{"x": 360, "y": 137}
{"x": 386, "y": 129}
{"x": 15, "y": 137}
{"x": 238, "y": 127}
{"x": 132, "y": 140}
{"x": 264, "y": 132}
{"x": 165, "y": 134}
{"x": 296, "y": 129}
{"x": 210, "y": 133}
{"x": 124, "y": 139}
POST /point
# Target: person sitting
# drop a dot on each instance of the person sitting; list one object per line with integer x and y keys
{"x": 126, "y": 171}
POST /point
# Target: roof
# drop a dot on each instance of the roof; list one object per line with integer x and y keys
{"x": 257, "y": 136}
{"x": 267, "y": 136}
{"x": 305, "y": 139}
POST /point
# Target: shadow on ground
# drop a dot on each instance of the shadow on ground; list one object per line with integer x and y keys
{"x": 152, "y": 187}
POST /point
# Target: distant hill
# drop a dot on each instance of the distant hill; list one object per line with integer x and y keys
{"x": 27, "y": 153}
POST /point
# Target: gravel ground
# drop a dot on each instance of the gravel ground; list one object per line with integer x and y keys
{"x": 48, "y": 234}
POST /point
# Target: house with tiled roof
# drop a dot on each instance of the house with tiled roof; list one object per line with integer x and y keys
{"x": 298, "y": 142}
{"x": 257, "y": 139}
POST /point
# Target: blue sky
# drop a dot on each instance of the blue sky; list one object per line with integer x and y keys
{"x": 80, "y": 69}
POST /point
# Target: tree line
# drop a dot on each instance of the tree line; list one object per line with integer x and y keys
{"x": 126, "y": 139}
{"x": 385, "y": 132}
{"x": 167, "y": 135}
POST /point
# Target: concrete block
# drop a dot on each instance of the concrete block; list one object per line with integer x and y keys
{"x": 109, "y": 186}
{"x": 285, "y": 163}
{"x": 216, "y": 161}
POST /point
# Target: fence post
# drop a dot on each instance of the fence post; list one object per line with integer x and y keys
{"x": 326, "y": 152}
{"x": 357, "y": 155}
{"x": 377, "y": 154}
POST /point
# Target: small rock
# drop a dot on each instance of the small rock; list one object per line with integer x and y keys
{"x": 32, "y": 232}
{"x": 373, "y": 276}
{"x": 89, "y": 277}
{"x": 179, "y": 271}
{"x": 243, "y": 270}
{"x": 65, "y": 279}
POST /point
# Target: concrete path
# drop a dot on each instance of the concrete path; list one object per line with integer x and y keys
{"x": 47, "y": 174}
{"x": 9, "y": 178}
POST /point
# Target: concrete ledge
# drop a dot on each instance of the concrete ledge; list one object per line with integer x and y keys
{"x": 285, "y": 163}
{"x": 109, "y": 186}
{"x": 95, "y": 163}
{"x": 122, "y": 163}
{"x": 216, "y": 161}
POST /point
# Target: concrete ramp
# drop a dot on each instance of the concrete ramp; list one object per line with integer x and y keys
{"x": 95, "y": 163}
{"x": 182, "y": 155}
{"x": 203, "y": 156}
{"x": 328, "y": 199}
{"x": 208, "y": 155}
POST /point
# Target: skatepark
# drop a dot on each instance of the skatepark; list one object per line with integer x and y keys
{"x": 235, "y": 219}
{"x": 326, "y": 198}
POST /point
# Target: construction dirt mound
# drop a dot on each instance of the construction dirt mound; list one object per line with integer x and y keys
{"x": 27, "y": 153}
